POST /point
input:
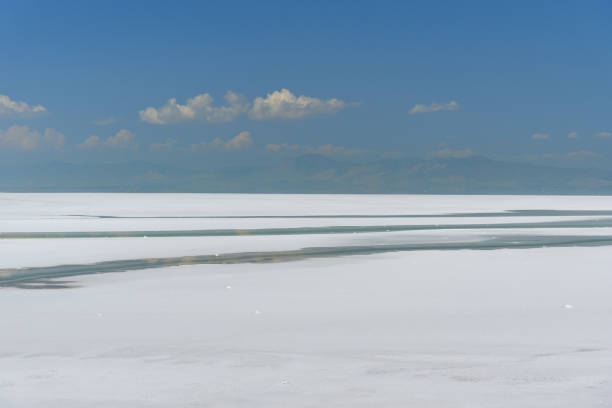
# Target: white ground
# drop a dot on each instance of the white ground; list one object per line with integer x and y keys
{"x": 44, "y": 205}
{"x": 503, "y": 328}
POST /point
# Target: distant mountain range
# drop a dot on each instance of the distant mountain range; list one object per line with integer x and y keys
{"x": 314, "y": 173}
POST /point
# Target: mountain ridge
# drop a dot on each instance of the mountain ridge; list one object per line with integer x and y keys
{"x": 315, "y": 173}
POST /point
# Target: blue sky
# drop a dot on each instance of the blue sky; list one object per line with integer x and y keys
{"x": 507, "y": 80}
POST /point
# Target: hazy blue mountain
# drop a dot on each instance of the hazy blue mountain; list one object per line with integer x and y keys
{"x": 314, "y": 173}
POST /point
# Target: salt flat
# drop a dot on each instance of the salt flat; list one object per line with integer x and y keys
{"x": 139, "y": 205}
{"x": 458, "y": 328}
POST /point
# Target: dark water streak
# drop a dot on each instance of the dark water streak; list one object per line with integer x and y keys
{"x": 45, "y": 277}
{"x": 509, "y": 213}
{"x": 596, "y": 223}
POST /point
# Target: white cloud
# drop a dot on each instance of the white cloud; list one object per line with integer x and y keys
{"x": 54, "y": 137}
{"x": 19, "y": 137}
{"x": 276, "y": 105}
{"x": 447, "y": 152}
{"x": 573, "y": 135}
{"x": 104, "y": 122}
{"x": 90, "y": 143}
{"x": 199, "y": 107}
{"x": 603, "y": 135}
{"x": 434, "y": 107}
{"x": 241, "y": 141}
{"x": 166, "y": 145}
{"x": 23, "y": 138}
{"x": 123, "y": 139}
{"x": 540, "y": 136}
{"x": 10, "y": 107}
{"x": 285, "y": 105}
{"x": 276, "y": 148}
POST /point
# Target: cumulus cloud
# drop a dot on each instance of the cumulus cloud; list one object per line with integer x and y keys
{"x": 104, "y": 122}
{"x": 284, "y": 104}
{"x": 123, "y": 139}
{"x": 241, "y": 141}
{"x": 10, "y": 107}
{"x": 572, "y": 135}
{"x": 327, "y": 149}
{"x": 20, "y": 138}
{"x": 90, "y": 143}
{"x": 540, "y": 136}
{"x": 54, "y": 138}
{"x": 165, "y": 145}
{"x": 434, "y": 107}
{"x": 604, "y": 135}
{"x": 447, "y": 152}
{"x": 23, "y": 138}
{"x": 283, "y": 147}
{"x": 200, "y": 107}
{"x": 281, "y": 104}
